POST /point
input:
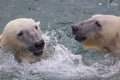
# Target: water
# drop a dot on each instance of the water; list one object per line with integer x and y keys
{"x": 61, "y": 65}
{"x": 67, "y": 58}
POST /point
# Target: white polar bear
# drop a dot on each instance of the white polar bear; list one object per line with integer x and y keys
{"x": 23, "y": 37}
{"x": 100, "y": 32}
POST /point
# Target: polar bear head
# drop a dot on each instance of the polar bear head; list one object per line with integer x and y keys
{"x": 23, "y": 35}
{"x": 101, "y": 32}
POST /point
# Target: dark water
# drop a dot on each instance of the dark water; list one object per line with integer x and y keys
{"x": 56, "y": 16}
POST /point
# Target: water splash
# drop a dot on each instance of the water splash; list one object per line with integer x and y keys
{"x": 62, "y": 65}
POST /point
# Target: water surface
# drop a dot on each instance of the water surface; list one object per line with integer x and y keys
{"x": 69, "y": 61}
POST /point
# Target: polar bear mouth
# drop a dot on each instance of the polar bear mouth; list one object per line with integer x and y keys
{"x": 80, "y": 38}
{"x": 38, "y": 52}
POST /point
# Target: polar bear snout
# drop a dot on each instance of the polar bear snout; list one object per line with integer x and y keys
{"x": 37, "y": 47}
{"x": 74, "y": 29}
{"x": 39, "y": 44}
{"x": 83, "y": 29}
{"x": 78, "y": 35}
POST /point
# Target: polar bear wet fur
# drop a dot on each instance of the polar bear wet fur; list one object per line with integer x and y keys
{"x": 23, "y": 37}
{"x": 100, "y": 32}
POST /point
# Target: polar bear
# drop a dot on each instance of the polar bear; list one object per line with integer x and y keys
{"x": 100, "y": 32}
{"x": 23, "y": 37}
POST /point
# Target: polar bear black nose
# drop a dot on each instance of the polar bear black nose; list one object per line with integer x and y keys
{"x": 39, "y": 44}
{"x": 74, "y": 28}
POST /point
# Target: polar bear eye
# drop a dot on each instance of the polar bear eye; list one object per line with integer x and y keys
{"x": 98, "y": 24}
{"x": 20, "y": 33}
{"x": 36, "y": 27}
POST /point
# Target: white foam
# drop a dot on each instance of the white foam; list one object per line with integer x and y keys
{"x": 62, "y": 64}
{"x": 65, "y": 63}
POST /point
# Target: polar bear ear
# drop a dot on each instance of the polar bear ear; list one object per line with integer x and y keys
{"x": 117, "y": 39}
{"x": 118, "y": 35}
{"x": 38, "y": 23}
{"x": 0, "y": 37}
